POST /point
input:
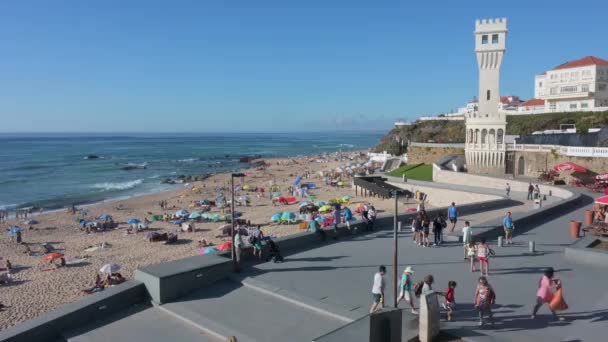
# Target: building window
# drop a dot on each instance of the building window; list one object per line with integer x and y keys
{"x": 573, "y": 106}
{"x": 484, "y": 39}
{"x": 584, "y": 105}
{"x": 552, "y": 106}
{"x": 553, "y": 91}
{"x": 568, "y": 89}
{"x": 584, "y": 87}
{"x": 494, "y": 39}
{"x": 601, "y": 86}
{"x": 540, "y": 84}
{"x": 488, "y": 95}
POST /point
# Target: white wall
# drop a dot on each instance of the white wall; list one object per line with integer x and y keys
{"x": 444, "y": 197}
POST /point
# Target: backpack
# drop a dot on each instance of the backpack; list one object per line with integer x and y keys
{"x": 418, "y": 288}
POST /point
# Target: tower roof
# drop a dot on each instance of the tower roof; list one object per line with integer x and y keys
{"x": 585, "y": 61}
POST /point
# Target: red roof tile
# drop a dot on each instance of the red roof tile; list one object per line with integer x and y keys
{"x": 585, "y": 61}
{"x": 533, "y": 103}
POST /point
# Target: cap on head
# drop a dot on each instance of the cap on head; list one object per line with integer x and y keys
{"x": 408, "y": 270}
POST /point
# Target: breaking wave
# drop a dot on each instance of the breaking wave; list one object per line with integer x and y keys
{"x": 118, "y": 186}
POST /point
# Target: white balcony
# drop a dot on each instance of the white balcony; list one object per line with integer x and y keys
{"x": 574, "y": 95}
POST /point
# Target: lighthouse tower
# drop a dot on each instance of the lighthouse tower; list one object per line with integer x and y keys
{"x": 485, "y": 129}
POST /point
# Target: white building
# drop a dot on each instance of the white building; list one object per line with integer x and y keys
{"x": 532, "y": 106}
{"x": 574, "y": 86}
{"x": 485, "y": 147}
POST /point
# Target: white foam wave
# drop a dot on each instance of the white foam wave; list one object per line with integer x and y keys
{"x": 187, "y": 160}
{"x": 118, "y": 186}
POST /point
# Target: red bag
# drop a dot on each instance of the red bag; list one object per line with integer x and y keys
{"x": 558, "y": 303}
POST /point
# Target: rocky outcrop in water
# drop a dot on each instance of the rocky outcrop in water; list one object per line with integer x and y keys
{"x": 249, "y": 159}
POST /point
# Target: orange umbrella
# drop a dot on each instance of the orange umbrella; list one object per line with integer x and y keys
{"x": 224, "y": 246}
{"x": 52, "y": 256}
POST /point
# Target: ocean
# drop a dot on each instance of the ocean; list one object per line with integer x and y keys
{"x": 52, "y": 171}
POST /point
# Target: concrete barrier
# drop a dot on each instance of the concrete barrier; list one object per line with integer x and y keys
{"x": 52, "y": 325}
{"x": 170, "y": 280}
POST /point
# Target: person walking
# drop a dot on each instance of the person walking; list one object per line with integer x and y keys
{"x": 348, "y": 216}
{"x": 450, "y": 299}
{"x": 544, "y": 294}
{"x": 530, "y": 191}
{"x": 255, "y": 239}
{"x": 453, "y": 216}
{"x": 406, "y": 288}
{"x": 508, "y": 190}
{"x": 467, "y": 236}
{"x": 378, "y": 290}
{"x": 238, "y": 246}
{"x": 417, "y": 228}
{"x": 371, "y": 215}
{"x": 438, "y": 225}
{"x": 536, "y": 192}
{"x": 483, "y": 255}
{"x": 508, "y": 226}
{"x": 426, "y": 228}
{"x": 484, "y": 299}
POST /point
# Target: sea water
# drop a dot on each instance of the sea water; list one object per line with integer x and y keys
{"x": 52, "y": 171}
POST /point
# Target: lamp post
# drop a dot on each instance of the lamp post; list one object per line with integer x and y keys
{"x": 395, "y": 194}
{"x": 235, "y": 263}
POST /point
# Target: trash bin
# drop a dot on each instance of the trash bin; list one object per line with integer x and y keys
{"x": 538, "y": 203}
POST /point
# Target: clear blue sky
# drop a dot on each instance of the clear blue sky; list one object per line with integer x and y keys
{"x": 261, "y": 65}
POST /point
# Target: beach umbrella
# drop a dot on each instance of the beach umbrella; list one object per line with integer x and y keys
{"x": 325, "y": 208}
{"x": 14, "y": 230}
{"x": 602, "y": 200}
{"x": 303, "y": 204}
{"x": 276, "y": 217}
{"x": 340, "y": 183}
{"x": 347, "y": 197}
{"x": 224, "y": 246}
{"x": 52, "y": 256}
{"x": 214, "y": 217}
{"x": 133, "y": 221}
{"x": 320, "y": 219}
{"x": 297, "y": 180}
{"x": 195, "y": 215}
{"x": 205, "y": 201}
{"x": 569, "y": 167}
{"x": 151, "y": 235}
{"x": 243, "y": 198}
{"x": 104, "y": 217}
{"x": 288, "y": 216}
{"x": 320, "y": 203}
{"x": 181, "y": 213}
{"x": 109, "y": 268}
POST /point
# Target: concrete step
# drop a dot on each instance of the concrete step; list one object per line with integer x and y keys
{"x": 229, "y": 309}
{"x": 140, "y": 324}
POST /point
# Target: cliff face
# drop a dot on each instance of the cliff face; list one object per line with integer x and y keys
{"x": 454, "y": 131}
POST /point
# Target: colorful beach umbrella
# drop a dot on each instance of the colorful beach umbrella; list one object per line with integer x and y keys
{"x": 52, "y": 256}
{"x": 14, "y": 230}
{"x": 288, "y": 216}
{"x": 325, "y": 208}
{"x": 205, "y": 201}
{"x": 276, "y": 217}
{"x": 133, "y": 221}
{"x": 303, "y": 204}
{"x": 569, "y": 167}
{"x": 246, "y": 187}
{"x": 320, "y": 203}
{"x": 104, "y": 217}
{"x": 109, "y": 268}
{"x": 602, "y": 200}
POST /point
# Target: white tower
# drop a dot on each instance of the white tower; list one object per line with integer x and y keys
{"x": 485, "y": 147}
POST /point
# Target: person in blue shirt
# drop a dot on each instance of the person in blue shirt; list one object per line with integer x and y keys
{"x": 507, "y": 224}
{"x": 348, "y": 216}
{"x": 453, "y": 216}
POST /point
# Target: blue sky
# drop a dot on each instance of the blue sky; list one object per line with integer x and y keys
{"x": 265, "y": 66}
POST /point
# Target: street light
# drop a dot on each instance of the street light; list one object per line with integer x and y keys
{"x": 235, "y": 264}
{"x": 395, "y": 194}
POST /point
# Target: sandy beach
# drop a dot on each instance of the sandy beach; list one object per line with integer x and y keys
{"x": 38, "y": 287}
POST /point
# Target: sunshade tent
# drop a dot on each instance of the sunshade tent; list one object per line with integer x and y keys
{"x": 325, "y": 208}
{"x": 52, "y": 256}
{"x": 602, "y": 200}
{"x": 224, "y": 246}
{"x": 133, "y": 221}
{"x": 109, "y": 268}
{"x": 569, "y": 167}
{"x": 276, "y": 217}
{"x": 195, "y": 215}
{"x": 320, "y": 203}
{"x": 181, "y": 213}
{"x": 347, "y": 197}
{"x": 205, "y": 201}
{"x": 246, "y": 187}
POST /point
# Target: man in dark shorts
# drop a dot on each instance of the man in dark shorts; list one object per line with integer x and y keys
{"x": 453, "y": 216}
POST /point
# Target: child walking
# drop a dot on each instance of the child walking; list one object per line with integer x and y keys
{"x": 449, "y": 299}
{"x": 471, "y": 253}
{"x": 406, "y": 288}
{"x": 467, "y": 235}
{"x": 484, "y": 299}
{"x": 483, "y": 255}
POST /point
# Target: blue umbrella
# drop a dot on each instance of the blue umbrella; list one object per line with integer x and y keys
{"x": 14, "y": 230}
{"x": 133, "y": 221}
{"x": 276, "y": 217}
{"x": 105, "y": 217}
{"x": 320, "y": 219}
{"x": 288, "y": 216}
{"x": 297, "y": 180}
{"x": 195, "y": 215}
{"x": 303, "y": 204}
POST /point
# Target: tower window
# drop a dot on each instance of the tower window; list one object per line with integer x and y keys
{"x": 494, "y": 39}
{"x": 484, "y": 39}
{"x": 488, "y": 95}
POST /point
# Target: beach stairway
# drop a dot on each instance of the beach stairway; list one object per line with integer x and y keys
{"x": 253, "y": 312}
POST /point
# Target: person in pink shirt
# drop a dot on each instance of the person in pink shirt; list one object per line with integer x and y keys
{"x": 544, "y": 294}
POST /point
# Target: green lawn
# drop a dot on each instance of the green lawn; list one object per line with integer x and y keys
{"x": 422, "y": 172}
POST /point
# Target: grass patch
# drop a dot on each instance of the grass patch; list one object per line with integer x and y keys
{"x": 421, "y": 172}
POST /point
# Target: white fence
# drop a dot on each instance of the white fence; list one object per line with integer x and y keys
{"x": 545, "y": 111}
{"x": 457, "y": 145}
{"x": 571, "y": 151}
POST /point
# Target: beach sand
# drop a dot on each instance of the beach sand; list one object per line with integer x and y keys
{"x": 38, "y": 287}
